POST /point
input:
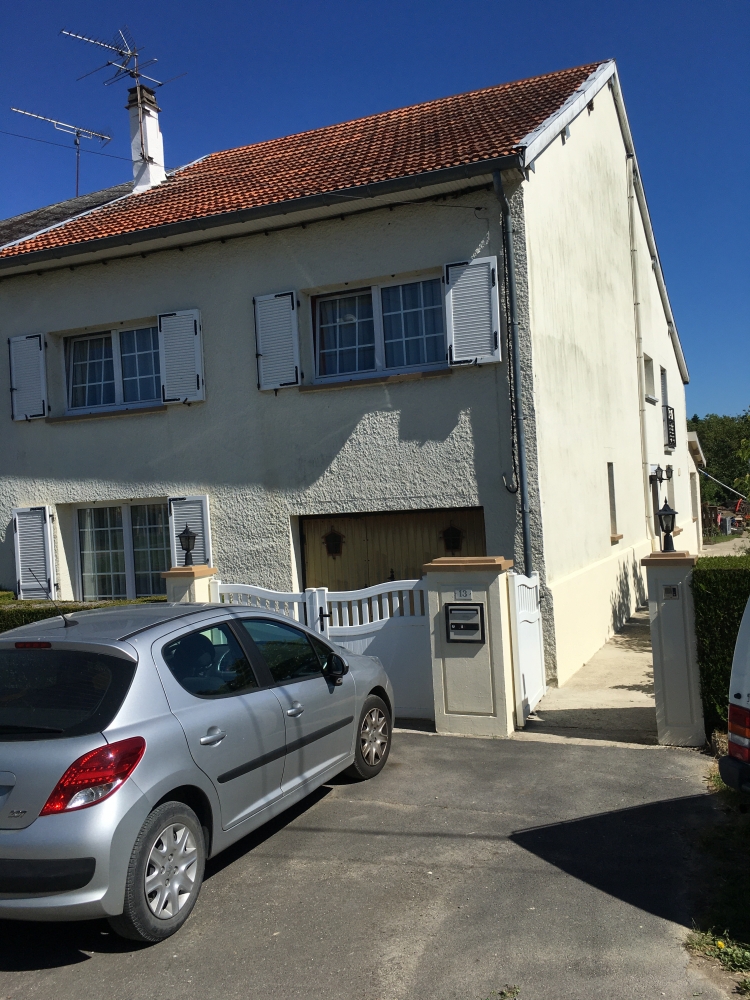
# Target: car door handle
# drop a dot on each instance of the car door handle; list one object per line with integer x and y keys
{"x": 296, "y": 710}
{"x": 212, "y": 737}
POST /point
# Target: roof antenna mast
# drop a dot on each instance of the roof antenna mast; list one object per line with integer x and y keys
{"x": 125, "y": 62}
{"x": 74, "y": 130}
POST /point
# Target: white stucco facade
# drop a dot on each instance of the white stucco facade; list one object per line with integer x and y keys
{"x": 421, "y": 440}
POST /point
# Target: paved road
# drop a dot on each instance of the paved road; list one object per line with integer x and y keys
{"x": 466, "y": 865}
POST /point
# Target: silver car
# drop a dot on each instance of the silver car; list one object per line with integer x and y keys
{"x": 138, "y": 741}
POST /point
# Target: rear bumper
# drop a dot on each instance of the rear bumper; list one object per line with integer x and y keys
{"x": 735, "y": 773}
{"x": 71, "y": 866}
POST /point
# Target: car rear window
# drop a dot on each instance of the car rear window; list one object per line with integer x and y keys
{"x": 52, "y": 693}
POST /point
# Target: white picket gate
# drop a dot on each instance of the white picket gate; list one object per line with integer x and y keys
{"x": 388, "y": 620}
{"x": 391, "y": 621}
{"x": 527, "y": 642}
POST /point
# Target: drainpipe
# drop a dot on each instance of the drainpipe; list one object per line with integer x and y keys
{"x": 523, "y": 479}
{"x": 647, "y": 499}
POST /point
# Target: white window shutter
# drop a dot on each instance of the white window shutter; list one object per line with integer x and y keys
{"x": 28, "y": 381}
{"x": 473, "y": 311}
{"x": 181, "y": 348}
{"x": 35, "y": 553}
{"x": 192, "y": 511}
{"x": 277, "y": 340}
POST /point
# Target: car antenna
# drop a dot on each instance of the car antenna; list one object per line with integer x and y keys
{"x": 68, "y": 622}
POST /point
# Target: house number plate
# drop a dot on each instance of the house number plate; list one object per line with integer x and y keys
{"x": 462, "y": 595}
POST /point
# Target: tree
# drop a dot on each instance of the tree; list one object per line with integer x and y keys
{"x": 726, "y": 444}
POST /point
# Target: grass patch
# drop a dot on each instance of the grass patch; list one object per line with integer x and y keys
{"x": 731, "y": 955}
{"x": 7, "y": 595}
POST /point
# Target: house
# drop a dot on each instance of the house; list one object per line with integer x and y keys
{"x": 337, "y": 355}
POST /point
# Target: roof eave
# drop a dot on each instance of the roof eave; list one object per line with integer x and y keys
{"x": 337, "y": 198}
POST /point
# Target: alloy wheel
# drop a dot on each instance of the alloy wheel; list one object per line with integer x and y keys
{"x": 170, "y": 871}
{"x": 374, "y": 736}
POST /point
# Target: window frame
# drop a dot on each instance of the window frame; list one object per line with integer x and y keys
{"x": 375, "y": 288}
{"x": 229, "y": 625}
{"x": 257, "y": 652}
{"x": 120, "y": 403}
{"x": 127, "y": 534}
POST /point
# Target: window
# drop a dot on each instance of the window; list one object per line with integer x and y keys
{"x": 151, "y": 549}
{"x": 102, "y": 553}
{"x": 650, "y": 387}
{"x": 287, "y": 651}
{"x": 614, "y": 536}
{"x": 124, "y": 549}
{"x": 381, "y": 328}
{"x": 210, "y": 663}
{"x": 114, "y": 368}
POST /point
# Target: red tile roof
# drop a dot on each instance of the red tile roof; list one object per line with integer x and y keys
{"x": 449, "y": 132}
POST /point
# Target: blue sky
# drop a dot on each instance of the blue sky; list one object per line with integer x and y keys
{"x": 256, "y": 70}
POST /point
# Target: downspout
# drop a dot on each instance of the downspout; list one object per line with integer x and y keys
{"x": 523, "y": 479}
{"x": 639, "y": 354}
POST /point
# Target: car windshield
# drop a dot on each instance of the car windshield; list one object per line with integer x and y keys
{"x": 53, "y": 693}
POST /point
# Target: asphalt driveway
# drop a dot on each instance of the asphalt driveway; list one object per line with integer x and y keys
{"x": 465, "y": 866}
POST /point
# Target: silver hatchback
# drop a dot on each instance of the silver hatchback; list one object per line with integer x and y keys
{"x": 138, "y": 741}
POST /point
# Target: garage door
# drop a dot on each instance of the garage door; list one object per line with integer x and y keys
{"x": 352, "y": 551}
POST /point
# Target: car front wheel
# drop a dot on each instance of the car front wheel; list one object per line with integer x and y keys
{"x": 373, "y": 739}
{"x": 164, "y": 875}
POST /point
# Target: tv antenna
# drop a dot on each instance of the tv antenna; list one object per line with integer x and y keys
{"x": 125, "y": 63}
{"x": 73, "y": 130}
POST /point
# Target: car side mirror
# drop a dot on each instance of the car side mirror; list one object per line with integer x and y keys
{"x": 335, "y": 668}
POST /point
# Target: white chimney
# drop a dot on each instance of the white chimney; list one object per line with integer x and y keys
{"x": 146, "y": 143}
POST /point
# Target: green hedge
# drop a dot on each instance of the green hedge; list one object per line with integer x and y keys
{"x": 721, "y": 589}
{"x": 16, "y": 613}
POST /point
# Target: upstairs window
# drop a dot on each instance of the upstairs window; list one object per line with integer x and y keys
{"x": 648, "y": 369}
{"x": 381, "y": 328}
{"x": 114, "y": 368}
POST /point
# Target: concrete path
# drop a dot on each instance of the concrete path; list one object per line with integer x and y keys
{"x": 611, "y": 697}
{"x": 730, "y": 547}
{"x": 466, "y": 866}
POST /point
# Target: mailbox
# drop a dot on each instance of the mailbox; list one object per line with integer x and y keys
{"x": 464, "y": 622}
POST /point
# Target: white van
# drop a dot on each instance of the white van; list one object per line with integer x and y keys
{"x": 735, "y": 769}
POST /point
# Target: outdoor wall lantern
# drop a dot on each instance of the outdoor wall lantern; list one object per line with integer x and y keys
{"x": 187, "y": 541}
{"x": 659, "y": 474}
{"x": 452, "y": 538}
{"x": 333, "y": 542}
{"x": 666, "y": 521}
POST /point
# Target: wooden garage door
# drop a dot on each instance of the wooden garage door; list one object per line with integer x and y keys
{"x": 351, "y": 551}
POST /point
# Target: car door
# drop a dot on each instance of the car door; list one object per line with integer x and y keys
{"x": 235, "y": 730}
{"x": 319, "y": 712}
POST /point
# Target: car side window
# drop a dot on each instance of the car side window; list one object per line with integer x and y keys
{"x": 325, "y": 653}
{"x": 286, "y": 651}
{"x": 210, "y": 663}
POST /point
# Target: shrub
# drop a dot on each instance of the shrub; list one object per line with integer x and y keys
{"x": 16, "y": 613}
{"x": 721, "y": 589}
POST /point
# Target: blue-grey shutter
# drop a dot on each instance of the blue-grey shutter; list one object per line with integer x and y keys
{"x": 181, "y": 350}
{"x": 277, "y": 340}
{"x": 193, "y": 512}
{"x": 35, "y": 553}
{"x": 472, "y": 307}
{"x": 28, "y": 382}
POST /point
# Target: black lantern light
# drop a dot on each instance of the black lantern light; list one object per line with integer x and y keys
{"x": 187, "y": 541}
{"x": 666, "y": 521}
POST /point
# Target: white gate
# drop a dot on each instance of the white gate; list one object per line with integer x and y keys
{"x": 389, "y": 620}
{"x": 527, "y": 641}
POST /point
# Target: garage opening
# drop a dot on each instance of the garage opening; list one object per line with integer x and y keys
{"x": 351, "y": 551}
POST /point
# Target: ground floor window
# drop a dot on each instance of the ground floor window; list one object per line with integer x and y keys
{"x": 124, "y": 549}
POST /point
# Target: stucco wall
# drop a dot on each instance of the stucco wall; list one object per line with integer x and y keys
{"x": 586, "y": 381}
{"x": 263, "y": 458}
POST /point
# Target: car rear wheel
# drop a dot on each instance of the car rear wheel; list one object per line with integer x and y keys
{"x": 373, "y": 739}
{"x": 164, "y": 875}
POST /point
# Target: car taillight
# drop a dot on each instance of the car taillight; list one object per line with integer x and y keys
{"x": 739, "y": 732}
{"x": 95, "y": 776}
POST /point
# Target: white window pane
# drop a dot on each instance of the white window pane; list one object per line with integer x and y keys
{"x": 346, "y": 335}
{"x": 139, "y": 350}
{"x": 92, "y": 375}
{"x": 102, "y": 553}
{"x": 413, "y": 327}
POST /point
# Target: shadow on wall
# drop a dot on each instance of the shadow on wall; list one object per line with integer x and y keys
{"x": 629, "y": 592}
{"x": 637, "y": 855}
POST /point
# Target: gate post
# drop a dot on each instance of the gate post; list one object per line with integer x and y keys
{"x": 317, "y": 609}
{"x": 472, "y": 663}
{"x": 679, "y": 710}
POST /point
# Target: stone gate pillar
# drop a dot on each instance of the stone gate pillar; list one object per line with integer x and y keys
{"x": 470, "y": 638}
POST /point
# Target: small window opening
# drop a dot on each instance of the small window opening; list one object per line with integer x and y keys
{"x": 614, "y": 535}
{"x": 648, "y": 367}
